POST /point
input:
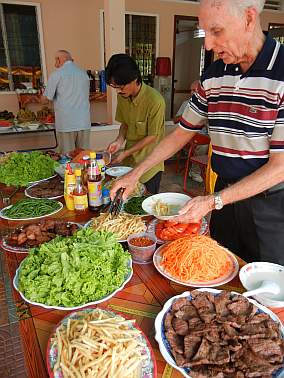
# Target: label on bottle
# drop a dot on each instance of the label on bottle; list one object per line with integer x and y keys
{"x": 80, "y": 202}
{"x": 95, "y": 193}
{"x": 102, "y": 167}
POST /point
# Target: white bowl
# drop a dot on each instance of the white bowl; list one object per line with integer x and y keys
{"x": 118, "y": 171}
{"x": 251, "y": 276}
{"x": 174, "y": 200}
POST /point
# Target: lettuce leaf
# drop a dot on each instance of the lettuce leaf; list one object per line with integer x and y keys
{"x": 76, "y": 270}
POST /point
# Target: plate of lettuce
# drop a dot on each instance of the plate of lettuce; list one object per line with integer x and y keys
{"x": 69, "y": 273}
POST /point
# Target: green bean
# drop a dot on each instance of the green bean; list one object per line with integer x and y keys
{"x": 30, "y": 208}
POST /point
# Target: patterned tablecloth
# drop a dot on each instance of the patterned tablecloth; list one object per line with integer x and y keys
{"x": 25, "y": 329}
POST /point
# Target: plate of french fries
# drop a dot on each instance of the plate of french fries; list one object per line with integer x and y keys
{"x": 99, "y": 343}
{"x": 122, "y": 225}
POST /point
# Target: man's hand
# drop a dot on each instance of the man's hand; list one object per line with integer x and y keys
{"x": 114, "y": 146}
{"x": 195, "y": 209}
{"x": 120, "y": 157}
{"x": 128, "y": 182}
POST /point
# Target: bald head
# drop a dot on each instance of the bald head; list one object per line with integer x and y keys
{"x": 236, "y": 6}
{"x": 61, "y": 57}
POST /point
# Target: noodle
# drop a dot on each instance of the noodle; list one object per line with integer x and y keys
{"x": 196, "y": 259}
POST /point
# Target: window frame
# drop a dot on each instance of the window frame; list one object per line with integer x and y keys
{"x": 40, "y": 37}
{"x": 102, "y": 40}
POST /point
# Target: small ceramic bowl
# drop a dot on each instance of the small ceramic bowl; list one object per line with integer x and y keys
{"x": 252, "y": 275}
{"x": 142, "y": 255}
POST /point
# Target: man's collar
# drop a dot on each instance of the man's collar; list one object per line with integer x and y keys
{"x": 135, "y": 101}
{"x": 265, "y": 59}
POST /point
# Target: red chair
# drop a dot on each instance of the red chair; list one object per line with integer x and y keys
{"x": 200, "y": 160}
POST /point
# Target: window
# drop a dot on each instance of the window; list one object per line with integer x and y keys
{"x": 277, "y": 32}
{"x": 20, "y": 58}
{"x": 140, "y": 43}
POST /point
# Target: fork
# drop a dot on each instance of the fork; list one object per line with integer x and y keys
{"x": 116, "y": 204}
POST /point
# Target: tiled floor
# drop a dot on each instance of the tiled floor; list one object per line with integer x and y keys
{"x": 173, "y": 181}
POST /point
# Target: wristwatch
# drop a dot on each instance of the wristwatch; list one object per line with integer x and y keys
{"x": 218, "y": 203}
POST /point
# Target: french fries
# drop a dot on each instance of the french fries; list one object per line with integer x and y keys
{"x": 161, "y": 208}
{"x": 98, "y": 345}
{"x": 121, "y": 225}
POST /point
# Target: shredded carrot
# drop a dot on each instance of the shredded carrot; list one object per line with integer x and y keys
{"x": 196, "y": 259}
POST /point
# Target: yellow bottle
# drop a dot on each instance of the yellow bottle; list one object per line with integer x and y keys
{"x": 80, "y": 195}
{"x": 69, "y": 186}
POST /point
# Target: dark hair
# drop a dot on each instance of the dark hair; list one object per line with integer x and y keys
{"x": 122, "y": 69}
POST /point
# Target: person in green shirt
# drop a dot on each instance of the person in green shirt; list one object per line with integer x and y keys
{"x": 141, "y": 112}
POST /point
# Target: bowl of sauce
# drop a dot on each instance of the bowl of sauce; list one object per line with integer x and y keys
{"x": 142, "y": 247}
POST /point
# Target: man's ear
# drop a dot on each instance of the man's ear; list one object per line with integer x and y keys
{"x": 251, "y": 16}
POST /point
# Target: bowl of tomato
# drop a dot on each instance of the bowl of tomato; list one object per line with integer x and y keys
{"x": 170, "y": 230}
{"x": 142, "y": 247}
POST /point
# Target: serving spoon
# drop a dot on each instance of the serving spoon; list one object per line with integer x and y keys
{"x": 268, "y": 287}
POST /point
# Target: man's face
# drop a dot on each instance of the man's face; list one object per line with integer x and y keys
{"x": 225, "y": 34}
{"x": 126, "y": 90}
{"x": 57, "y": 62}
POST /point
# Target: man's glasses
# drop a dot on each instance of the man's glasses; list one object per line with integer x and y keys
{"x": 118, "y": 87}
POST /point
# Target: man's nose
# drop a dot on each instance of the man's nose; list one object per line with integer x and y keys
{"x": 208, "y": 43}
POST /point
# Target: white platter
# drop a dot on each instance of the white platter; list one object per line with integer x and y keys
{"x": 9, "y": 248}
{"x": 19, "y": 219}
{"x": 103, "y": 299}
{"x": 157, "y": 258}
{"x": 118, "y": 171}
{"x": 176, "y": 200}
{"x": 153, "y": 223}
{"x": 164, "y": 346}
{"x": 88, "y": 224}
{"x": 31, "y": 186}
{"x": 148, "y": 366}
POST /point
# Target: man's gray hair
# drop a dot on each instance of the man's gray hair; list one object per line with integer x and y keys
{"x": 66, "y": 54}
{"x": 240, "y": 5}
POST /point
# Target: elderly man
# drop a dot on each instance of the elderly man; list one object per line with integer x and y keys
{"x": 68, "y": 87}
{"x": 241, "y": 95}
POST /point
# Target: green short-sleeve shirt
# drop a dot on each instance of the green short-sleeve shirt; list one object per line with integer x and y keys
{"x": 145, "y": 116}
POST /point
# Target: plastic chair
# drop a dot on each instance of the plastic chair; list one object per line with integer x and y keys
{"x": 200, "y": 160}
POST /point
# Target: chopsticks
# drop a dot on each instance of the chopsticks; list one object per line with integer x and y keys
{"x": 116, "y": 204}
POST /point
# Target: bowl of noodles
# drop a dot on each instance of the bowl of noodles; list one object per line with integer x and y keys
{"x": 196, "y": 261}
{"x": 165, "y": 206}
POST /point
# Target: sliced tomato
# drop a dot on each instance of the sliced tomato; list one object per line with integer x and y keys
{"x": 192, "y": 228}
{"x": 167, "y": 235}
{"x": 180, "y": 227}
{"x": 169, "y": 223}
{"x": 159, "y": 226}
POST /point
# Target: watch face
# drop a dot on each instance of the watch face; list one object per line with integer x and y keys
{"x": 218, "y": 202}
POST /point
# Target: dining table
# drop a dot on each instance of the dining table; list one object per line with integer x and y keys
{"x": 25, "y": 328}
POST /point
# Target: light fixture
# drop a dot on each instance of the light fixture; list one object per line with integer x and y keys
{"x": 198, "y": 33}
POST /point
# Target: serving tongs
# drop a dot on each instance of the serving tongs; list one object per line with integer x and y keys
{"x": 116, "y": 205}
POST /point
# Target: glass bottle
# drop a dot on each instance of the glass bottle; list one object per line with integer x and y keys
{"x": 80, "y": 196}
{"x": 85, "y": 164}
{"x": 94, "y": 184}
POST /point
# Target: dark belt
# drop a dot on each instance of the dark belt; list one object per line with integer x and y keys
{"x": 273, "y": 189}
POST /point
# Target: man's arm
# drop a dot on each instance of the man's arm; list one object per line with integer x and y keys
{"x": 136, "y": 147}
{"x": 116, "y": 145}
{"x": 270, "y": 174}
{"x": 165, "y": 149}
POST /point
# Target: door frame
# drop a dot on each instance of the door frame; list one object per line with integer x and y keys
{"x": 177, "y": 18}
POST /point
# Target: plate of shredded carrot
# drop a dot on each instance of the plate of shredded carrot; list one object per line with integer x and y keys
{"x": 196, "y": 261}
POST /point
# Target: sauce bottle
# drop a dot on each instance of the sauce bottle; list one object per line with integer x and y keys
{"x": 69, "y": 186}
{"x": 85, "y": 164}
{"x": 80, "y": 195}
{"x": 94, "y": 184}
{"x": 101, "y": 165}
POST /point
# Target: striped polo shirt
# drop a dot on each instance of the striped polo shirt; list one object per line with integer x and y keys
{"x": 245, "y": 112}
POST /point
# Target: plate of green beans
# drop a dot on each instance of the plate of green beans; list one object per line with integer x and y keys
{"x": 29, "y": 208}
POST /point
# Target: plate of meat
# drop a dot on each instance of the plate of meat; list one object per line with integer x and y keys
{"x": 51, "y": 189}
{"x": 214, "y": 333}
{"x": 21, "y": 239}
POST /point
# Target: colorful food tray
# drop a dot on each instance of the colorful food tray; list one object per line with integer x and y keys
{"x": 148, "y": 366}
{"x": 157, "y": 259}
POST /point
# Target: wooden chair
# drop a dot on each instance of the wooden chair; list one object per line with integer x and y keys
{"x": 200, "y": 160}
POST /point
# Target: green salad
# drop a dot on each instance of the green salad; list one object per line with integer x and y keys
{"x": 21, "y": 168}
{"x": 72, "y": 271}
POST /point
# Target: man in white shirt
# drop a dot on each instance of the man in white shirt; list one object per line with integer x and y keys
{"x": 68, "y": 88}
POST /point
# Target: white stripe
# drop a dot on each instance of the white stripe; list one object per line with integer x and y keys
{"x": 274, "y": 56}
